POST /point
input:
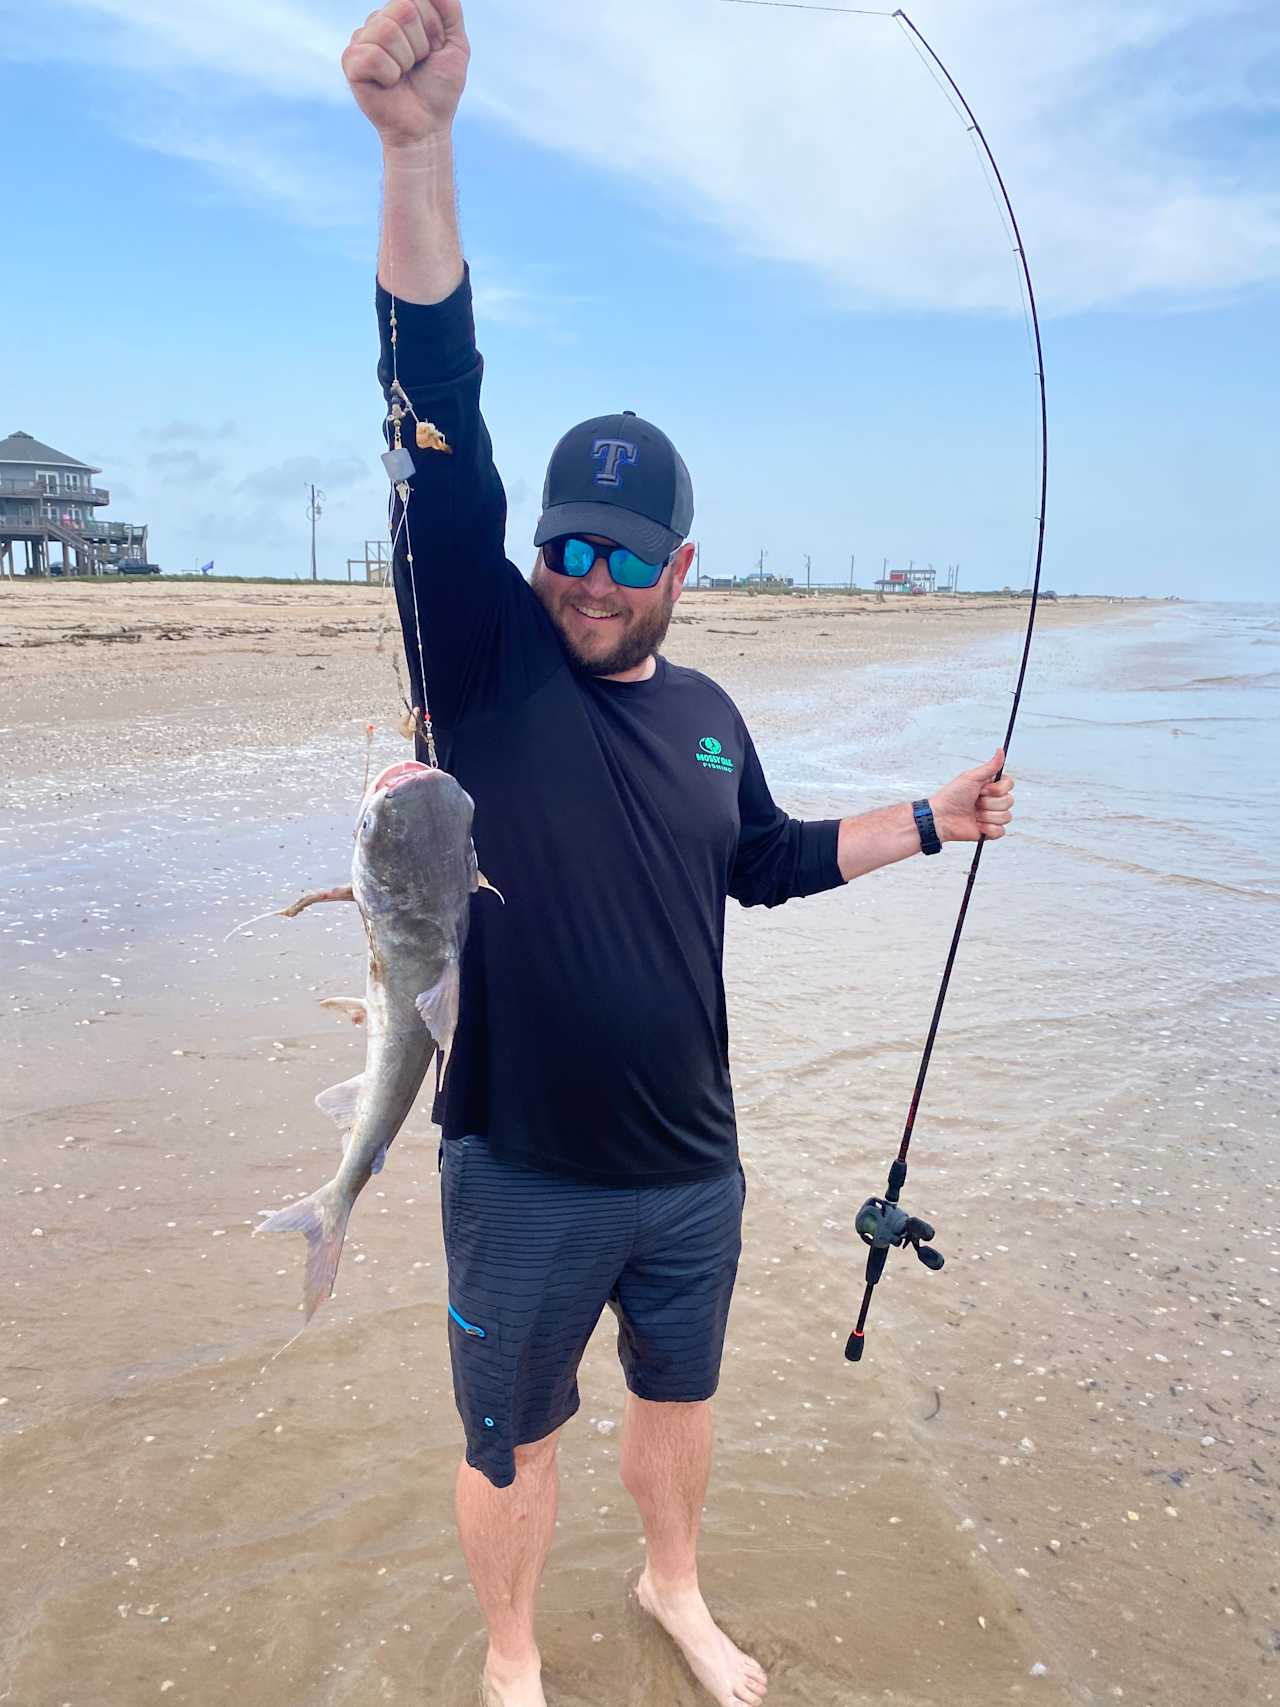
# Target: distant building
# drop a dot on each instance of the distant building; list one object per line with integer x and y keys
{"x": 911, "y": 580}
{"x": 376, "y": 563}
{"x": 48, "y": 498}
{"x": 761, "y": 583}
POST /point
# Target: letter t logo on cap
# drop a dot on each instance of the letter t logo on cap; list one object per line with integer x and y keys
{"x": 612, "y": 455}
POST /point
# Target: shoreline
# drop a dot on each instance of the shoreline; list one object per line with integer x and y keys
{"x": 197, "y": 667}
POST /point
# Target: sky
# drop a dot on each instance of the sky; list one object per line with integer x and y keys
{"x": 761, "y": 227}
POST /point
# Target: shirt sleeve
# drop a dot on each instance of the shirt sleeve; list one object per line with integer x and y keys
{"x": 485, "y": 639}
{"x": 778, "y": 858}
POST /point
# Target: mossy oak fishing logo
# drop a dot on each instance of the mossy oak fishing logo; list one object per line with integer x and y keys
{"x": 711, "y": 755}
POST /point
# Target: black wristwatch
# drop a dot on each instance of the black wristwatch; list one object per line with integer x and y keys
{"x": 929, "y": 842}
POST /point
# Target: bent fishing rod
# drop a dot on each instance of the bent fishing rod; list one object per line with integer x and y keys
{"x": 882, "y": 1223}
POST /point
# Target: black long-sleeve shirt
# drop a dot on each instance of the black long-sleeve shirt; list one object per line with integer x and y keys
{"x": 615, "y": 817}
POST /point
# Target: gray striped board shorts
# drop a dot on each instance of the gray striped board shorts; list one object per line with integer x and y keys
{"x": 534, "y": 1258}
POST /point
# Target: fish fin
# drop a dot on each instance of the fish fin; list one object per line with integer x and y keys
{"x": 343, "y": 892}
{"x": 438, "y": 1007}
{"x": 353, "y": 1007}
{"x": 322, "y": 1217}
{"x": 339, "y": 1101}
{"x": 478, "y": 878}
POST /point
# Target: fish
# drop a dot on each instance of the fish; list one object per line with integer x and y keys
{"x": 413, "y": 873}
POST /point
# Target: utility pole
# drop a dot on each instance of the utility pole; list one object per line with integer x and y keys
{"x": 853, "y": 559}
{"x": 697, "y": 564}
{"x": 808, "y": 572}
{"x": 314, "y": 508}
{"x": 760, "y": 565}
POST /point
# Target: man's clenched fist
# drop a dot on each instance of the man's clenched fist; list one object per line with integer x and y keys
{"x": 407, "y": 68}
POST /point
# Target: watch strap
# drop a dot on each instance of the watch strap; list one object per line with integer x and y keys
{"x": 929, "y": 841}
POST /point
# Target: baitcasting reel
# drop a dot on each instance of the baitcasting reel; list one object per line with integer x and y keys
{"x": 882, "y": 1223}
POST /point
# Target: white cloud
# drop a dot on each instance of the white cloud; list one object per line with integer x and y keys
{"x": 259, "y": 166}
{"x": 1127, "y": 134}
{"x": 335, "y": 473}
{"x": 822, "y": 141}
{"x": 278, "y": 47}
{"x": 508, "y": 304}
{"x": 184, "y": 465}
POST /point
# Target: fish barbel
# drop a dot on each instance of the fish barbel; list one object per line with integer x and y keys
{"x": 412, "y": 876}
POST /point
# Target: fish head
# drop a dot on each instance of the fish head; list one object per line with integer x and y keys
{"x": 412, "y": 840}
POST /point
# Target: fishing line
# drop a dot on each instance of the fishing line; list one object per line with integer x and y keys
{"x": 882, "y": 1223}
{"x": 400, "y": 470}
{"x": 800, "y": 6}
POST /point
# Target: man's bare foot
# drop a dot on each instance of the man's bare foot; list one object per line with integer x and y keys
{"x": 505, "y": 1684}
{"x": 730, "y": 1677}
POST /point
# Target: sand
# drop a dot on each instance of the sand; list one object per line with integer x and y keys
{"x": 983, "y": 1512}
{"x": 100, "y": 672}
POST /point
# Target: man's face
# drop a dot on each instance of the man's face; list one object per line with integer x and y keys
{"x": 606, "y": 628}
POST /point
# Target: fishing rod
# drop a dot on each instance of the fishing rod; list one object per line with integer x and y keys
{"x": 882, "y": 1223}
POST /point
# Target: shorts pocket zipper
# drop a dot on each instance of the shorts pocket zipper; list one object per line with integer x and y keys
{"x": 467, "y": 1327}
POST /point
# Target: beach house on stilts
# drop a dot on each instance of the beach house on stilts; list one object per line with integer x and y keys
{"x": 48, "y": 499}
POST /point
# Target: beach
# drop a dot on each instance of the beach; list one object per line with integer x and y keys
{"x": 1052, "y": 1478}
{"x": 98, "y": 672}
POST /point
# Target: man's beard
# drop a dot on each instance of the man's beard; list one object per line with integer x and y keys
{"x": 640, "y": 638}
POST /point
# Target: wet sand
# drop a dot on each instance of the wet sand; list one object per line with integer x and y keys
{"x": 1010, "y": 1500}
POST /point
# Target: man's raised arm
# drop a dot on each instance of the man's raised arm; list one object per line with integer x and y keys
{"x": 484, "y": 638}
{"x": 407, "y": 68}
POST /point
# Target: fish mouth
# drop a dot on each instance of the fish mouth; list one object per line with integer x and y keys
{"x": 395, "y": 776}
{"x": 387, "y": 781}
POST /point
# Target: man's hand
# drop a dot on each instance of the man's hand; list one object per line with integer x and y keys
{"x": 975, "y": 806}
{"x": 407, "y": 68}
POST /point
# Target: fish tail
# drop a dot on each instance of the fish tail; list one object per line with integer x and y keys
{"x": 322, "y": 1217}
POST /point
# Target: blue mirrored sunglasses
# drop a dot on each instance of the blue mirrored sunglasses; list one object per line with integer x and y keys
{"x": 571, "y": 555}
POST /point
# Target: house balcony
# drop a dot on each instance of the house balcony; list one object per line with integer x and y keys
{"x": 114, "y": 533}
{"x": 41, "y": 492}
{"x": 113, "y": 536}
{"x": 106, "y": 533}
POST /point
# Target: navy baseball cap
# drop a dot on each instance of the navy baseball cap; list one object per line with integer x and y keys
{"x": 620, "y": 477}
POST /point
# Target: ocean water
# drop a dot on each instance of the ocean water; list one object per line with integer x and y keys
{"x": 1058, "y": 1456}
{"x": 1097, "y": 1143}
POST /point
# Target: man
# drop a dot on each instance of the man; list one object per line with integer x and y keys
{"x": 590, "y": 1154}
